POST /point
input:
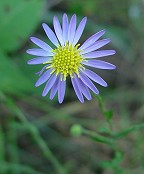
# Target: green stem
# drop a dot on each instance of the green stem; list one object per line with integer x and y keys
{"x": 106, "y": 113}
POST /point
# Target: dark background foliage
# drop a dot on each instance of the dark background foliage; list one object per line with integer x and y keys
{"x": 39, "y": 136}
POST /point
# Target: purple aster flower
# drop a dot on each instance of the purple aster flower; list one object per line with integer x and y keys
{"x": 69, "y": 59}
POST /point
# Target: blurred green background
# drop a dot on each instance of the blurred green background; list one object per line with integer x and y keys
{"x": 39, "y": 136}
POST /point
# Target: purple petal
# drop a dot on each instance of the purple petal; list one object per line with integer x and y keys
{"x": 99, "y": 64}
{"x": 92, "y": 39}
{"x": 88, "y": 82}
{"x": 54, "y": 89}
{"x": 61, "y": 90}
{"x": 96, "y": 46}
{"x": 79, "y": 30}
{"x": 44, "y": 77}
{"x": 97, "y": 54}
{"x": 49, "y": 84}
{"x": 96, "y": 78}
{"x": 84, "y": 89}
{"x": 39, "y": 52}
{"x": 65, "y": 26}
{"x": 41, "y": 44}
{"x": 77, "y": 90}
{"x": 38, "y": 60}
{"x": 58, "y": 30}
{"x": 41, "y": 71}
{"x": 72, "y": 29}
{"x": 50, "y": 34}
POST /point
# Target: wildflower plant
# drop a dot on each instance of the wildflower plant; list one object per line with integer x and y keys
{"x": 70, "y": 59}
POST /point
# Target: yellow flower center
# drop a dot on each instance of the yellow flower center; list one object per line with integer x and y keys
{"x": 66, "y": 61}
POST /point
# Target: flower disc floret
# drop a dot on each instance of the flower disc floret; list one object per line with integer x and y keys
{"x": 66, "y": 60}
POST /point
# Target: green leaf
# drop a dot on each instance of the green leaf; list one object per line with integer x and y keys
{"x": 12, "y": 79}
{"x": 18, "y": 19}
{"x": 109, "y": 114}
{"x": 114, "y": 163}
{"x": 129, "y": 130}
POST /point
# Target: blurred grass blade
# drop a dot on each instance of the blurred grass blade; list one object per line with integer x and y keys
{"x": 33, "y": 130}
{"x": 2, "y": 145}
{"x": 8, "y": 167}
{"x": 13, "y": 152}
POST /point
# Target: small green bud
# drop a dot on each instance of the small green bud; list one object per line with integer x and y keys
{"x": 76, "y": 130}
